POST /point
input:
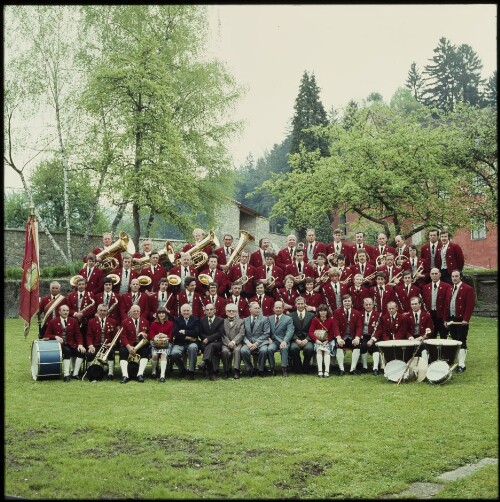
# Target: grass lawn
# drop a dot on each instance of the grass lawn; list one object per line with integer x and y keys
{"x": 295, "y": 437}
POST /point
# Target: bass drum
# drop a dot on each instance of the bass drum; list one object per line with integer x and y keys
{"x": 46, "y": 359}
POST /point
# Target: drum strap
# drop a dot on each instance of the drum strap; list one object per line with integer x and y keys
{"x": 51, "y": 307}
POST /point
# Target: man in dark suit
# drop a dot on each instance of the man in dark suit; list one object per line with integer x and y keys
{"x": 301, "y": 319}
{"x": 281, "y": 326}
{"x": 186, "y": 331}
{"x": 234, "y": 331}
{"x": 256, "y": 340}
{"x": 460, "y": 303}
{"x": 211, "y": 331}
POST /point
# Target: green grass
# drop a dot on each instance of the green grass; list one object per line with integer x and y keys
{"x": 296, "y": 437}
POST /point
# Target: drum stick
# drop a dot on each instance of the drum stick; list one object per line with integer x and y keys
{"x": 410, "y": 361}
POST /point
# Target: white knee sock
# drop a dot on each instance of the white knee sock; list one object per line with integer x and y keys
{"x": 124, "y": 367}
{"x": 78, "y": 363}
{"x": 66, "y": 365}
{"x": 142, "y": 365}
{"x": 111, "y": 367}
{"x": 355, "y": 358}
{"x": 425, "y": 355}
{"x": 326, "y": 358}
{"x": 163, "y": 367}
{"x": 154, "y": 364}
{"x": 364, "y": 360}
{"x": 340, "y": 358}
{"x": 376, "y": 360}
{"x": 461, "y": 357}
{"x": 319, "y": 361}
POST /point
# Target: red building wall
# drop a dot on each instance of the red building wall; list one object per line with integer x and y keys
{"x": 479, "y": 252}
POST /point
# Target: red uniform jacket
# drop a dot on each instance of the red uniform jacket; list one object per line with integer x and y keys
{"x": 374, "y": 328}
{"x": 328, "y": 292}
{"x": 422, "y": 263}
{"x": 442, "y": 292}
{"x": 73, "y": 334}
{"x": 192, "y": 272}
{"x": 425, "y": 322}
{"x": 402, "y": 297}
{"x": 171, "y": 304}
{"x": 425, "y": 253}
{"x": 464, "y": 304}
{"x": 313, "y": 299}
{"x": 87, "y": 300}
{"x": 345, "y": 249}
{"x": 318, "y": 247}
{"x": 454, "y": 258}
{"x": 113, "y": 305}
{"x": 256, "y": 258}
{"x": 369, "y": 269}
{"x": 158, "y": 273}
{"x": 393, "y": 331}
{"x": 276, "y": 272}
{"x": 220, "y": 305}
{"x": 358, "y": 295}
{"x": 219, "y": 276}
{"x": 242, "y": 304}
{"x": 283, "y": 258}
{"x": 389, "y": 275}
{"x": 126, "y": 302}
{"x": 292, "y": 269}
{"x": 340, "y": 323}
{"x": 129, "y": 335}
{"x": 45, "y": 304}
{"x": 369, "y": 250}
{"x": 221, "y": 255}
{"x": 316, "y": 323}
{"x": 283, "y": 295}
{"x": 266, "y": 305}
{"x": 131, "y": 273}
{"x": 94, "y": 281}
{"x": 94, "y": 331}
{"x": 197, "y": 304}
{"x": 385, "y": 249}
{"x": 235, "y": 273}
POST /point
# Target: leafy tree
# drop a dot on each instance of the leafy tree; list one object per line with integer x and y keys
{"x": 168, "y": 106}
{"x": 309, "y": 112}
{"x": 491, "y": 95}
{"x": 375, "y": 97}
{"x": 16, "y": 209}
{"x": 414, "y": 82}
{"x": 405, "y": 102}
{"x": 349, "y": 117}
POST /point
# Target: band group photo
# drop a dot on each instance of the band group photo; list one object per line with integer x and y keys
{"x": 218, "y": 311}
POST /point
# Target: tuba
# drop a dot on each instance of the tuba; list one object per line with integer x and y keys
{"x": 106, "y": 258}
{"x": 75, "y": 279}
{"x": 245, "y": 238}
{"x": 167, "y": 252}
{"x": 133, "y": 360}
{"x": 198, "y": 256}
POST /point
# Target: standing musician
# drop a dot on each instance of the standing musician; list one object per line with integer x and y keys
{"x": 234, "y": 331}
{"x": 162, "y": 299}
{"x": 321, "y": 268}
{"x": 224, "y": 252}
{"x": 161, "y": 325}
{"x": 235, "y": 298}
{"x": 404, "y": 291}
{"x": 390, "y": 269}
{"x": 338, "y": 247}
{"x": 333, "y": 291}
{"x": 451, "y": 257}
{"x": 216, "y": 275}
{"x": 155, "y": 271}
{"x": 135, "y": 328}
{"x": 382, "y": 248}
{"x": 191, "y": 297}
{"x": 257, "y": 258}
{"x": 381, "y": 293}
{"x": 313, "y": 247}
{"x": 269, "y": 271}
{"x": 358, "y": 293}
{"x": 434, "y": 296}
{"x": 371, "y": 333}
{"x": 198, "y": 235}
{"x": 299, "y": 268}
{"x": 360, "y": 245}
{"x": 460, "y": 303}
{"x": 348, "y": 330}
{"x": 312, "y": 298}
{"x": 346, "y": 273}
{"x": 286, "y": 255}
{"x": 266, "y": 302}
{"x": 393, "y": 324}
{"x": 301, "y": 341}
{"x": 401, "y": 247}
{"x": 93, "y": 275}
{"x": 101, "y": 330}
{"x": 65, "y": 330}
{"x": 147, "y": 247}
{"x": 243, "y": 269}
{"x": 107, "y": 240}
{"x": 431, "y": 250}
{"x": 325, "y": 349}
{"x": 363, "y": 267}
{"x": 287, "y": 294}
{"x": 183, "y": 270}
{"x": 211, "y": 332}
{"x": 135, "y": 297}
{"x": 418, "y": 266}
{"x": 49, "y": 307}
{"x": 215, "y": 299}
{"x": 81, "y": 305}
{"x": 110, "y": 300}
{"x": 126, "y": 274}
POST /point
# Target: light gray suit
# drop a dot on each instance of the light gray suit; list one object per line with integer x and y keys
{"x": 235, "y": 333}
{"x": 281, "y": 332}
{"x": 259, "y": 335}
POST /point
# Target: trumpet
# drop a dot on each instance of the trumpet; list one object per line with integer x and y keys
{"x": 299, "y": 278}
{"x": 380, "y": 260}
{"x": 395, "y": 280}
{"x": 269, "y": 284}
{"x": 243, "y": 279}
{"x": 332, "y": 259}
{"x": 419, "y": 270}
{"x": 370, "y": 277}
{"x": 322, "y": 278}
{"x": 346, "y": 281}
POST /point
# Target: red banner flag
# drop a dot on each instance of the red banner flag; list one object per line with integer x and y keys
{"x": 30, "y": 286}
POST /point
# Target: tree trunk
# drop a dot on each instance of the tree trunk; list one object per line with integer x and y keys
{"x": 118, "y": 217}
{"x": 149, "y": 224}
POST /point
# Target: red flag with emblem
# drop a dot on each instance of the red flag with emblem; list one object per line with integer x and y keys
{"x": 30, "y": 286}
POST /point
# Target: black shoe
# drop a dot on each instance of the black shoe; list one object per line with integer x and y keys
{"x": 162, "y": 379}
{"x": 460, "y": 369}
{"x": 228, "y": 374}
{"x": 262, "y": 373}
{"x": 273, "y": 372}
{"x": 190, "y": 375}
{"x": 202, "y": 366}
{"x": 75, "y": 377}
{"x": 110, "y": 377}
{"x": 182, "y": 372}
{"x": 375, "y": 372}
{"x": 364, "y": 370}
{"x": 285, "y": 372}
{"x": 341, "y": 373}
{"x": 154, "y": 376}
{"x": 251, "y": 372}
{"x": 140, "y": 378}
{"x": 236, "y": 374}
{"x": 67, "y": 378}
{"x": 213, "y": 378}
{"x": 125, "y": 379}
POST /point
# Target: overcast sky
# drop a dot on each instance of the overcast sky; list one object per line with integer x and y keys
{"x": 352, "y": 50}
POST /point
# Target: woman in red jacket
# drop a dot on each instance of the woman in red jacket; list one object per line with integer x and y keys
{"x": 161, "y": 326}
{"x": 321, "y": 333}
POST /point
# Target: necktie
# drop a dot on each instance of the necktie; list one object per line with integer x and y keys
{"x": 107, "y": 298}
{"x": 454, "y": 289}
{"x": 212, "y": 273}
{"x": 299, "y": 266}
{"x": 228, "y": 253}
{"x": 392, "y": 319}
{"x": 435, "y": 286}
{"x": 187, "y": 320}
{"x": 338, "y": 249}
{"x": 64, "y": 323}
{"x": 277, "y": 320}
{"x": 134, "y": 297}
{"x": 186, "y": 272}
{"x": 301, "y": 316}
{"x": 190, "y": 299}
{"x": 367, "y": 316}
{"x": 102, "y": 324}
{"x": 209, "y": 322}
{"x": 362, "y": 268}
{"x": 163, "y": 297}
{"x": 381, "y": 250}
{"x": 408, "y": 291}
{"x": 53, "y": 297}
{"x": 260, "y": 300}
{"x": 347, "y": 314}
{"x": 253, "y": 322}
{"x": 136, "y": 322}
{"x": 433, "y": 248}
{"x": 289, "y": 293}
{"x": 310, "y": 248}
{"x": 81, "y": 295}
{"x": 126, "y": 274}
{"x": 416, "y": 318}
{"x": 213, "y": 300}
{"x": 268, "y": 270}
{"x": 244, "y": 269}
{"x": 359, "y": 246}
{"x": 381, "y": 292}
{"x": 336, "y": 289}
{"x": 291, "y": 252}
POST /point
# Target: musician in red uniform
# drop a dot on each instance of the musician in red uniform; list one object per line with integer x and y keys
{"x": 418, "y": 266}
{"x": 450, "y": 257}
{"x": 332, "y": 290}
{"x": 135, "y": 297}
{"x": 216, "y": 274}
{"x": 269, "y": 271}
{"x": 367, "y": 270}
{"x": 358, "y": 293}
{"x": 93, "y": 275}
{"x": 287, "y": 294}
{"x": 286, "y": 255}
{"x": 381, "y": 293}
{"x": 135, "y": 328}
{"x": 401, "y": 248}
{"x": 257, "y": 258}
{"x": 312, "y": 247}
{"x": 338, "y": 247}
{"x": 360, "y": 245}
{"x": 101, "y": 330}
{"x": 147, "y": 248}
{"x": 198, "y": 235}
{"x": 65, "y": 330}
{"x": 320, "y": 269}
{"x": 218, "y": 301}
{"x": 155, "y": 271}
{"x": 371, "y": 330}
{"x": 348, "y": 330}
{"x": 161, "y": 324}
{"x": 434, "y": 295}
{"x": 431, "y": 250}
{"x": 126, "y": 274}
{"x": 81, "y": 305}
{"x": 382, "y": 248}
{"x": 460, "y": 303}
{"x": 266, "y": 302}
{"x": 110, "y": 299}
{"x": 405, "y": 291}
{"x": 224, "y": 252}
{"x": 418, "y": 321}
{"x": 191, "y": 297}
{"x": 49, "y": 307}
{"x": 107, "y": 240}
{"x": 299, "y": 269}
{"x": 183, "y": 270}
{"x": 243, "y": 269}
{"x": 392, "y": 324}
{"x": 162, "y": 298}
{"x": 235, "y": 297}
{"x": 346, "y": 273}
{"x": 392, "y": 272}
{"x": 312, "y": 298}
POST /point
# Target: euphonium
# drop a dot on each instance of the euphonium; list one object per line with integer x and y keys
{"x": 399, "y": 260}
{"x": 167, "y": 252}
{"x": 245, "y": 238}
{"x": 75, "y": 279}
{"x": 300, "y": 278}
{"x": 380, "y": 260}
{"x": 332, "y": 259}
{"x": 94, "y": 370}
{"x": 106, "y": 260}
{"x": 135, "y": 358}
{"x": 198, "y": 256}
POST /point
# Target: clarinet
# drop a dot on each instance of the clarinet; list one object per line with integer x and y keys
{"x": 423, "y": 303}
{"x": 399, "y": 300}
{"x": 281, "y": 296}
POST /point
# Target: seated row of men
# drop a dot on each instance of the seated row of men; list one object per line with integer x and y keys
{"x": 327, "y": 333}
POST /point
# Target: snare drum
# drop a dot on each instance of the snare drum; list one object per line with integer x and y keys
{"x": 46, "y": 359}
{"x": 395, "y": 369}
{"x": 402, "y": 350}
{"x": 438, "y": 372}
{"x": 442, "y": 350}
